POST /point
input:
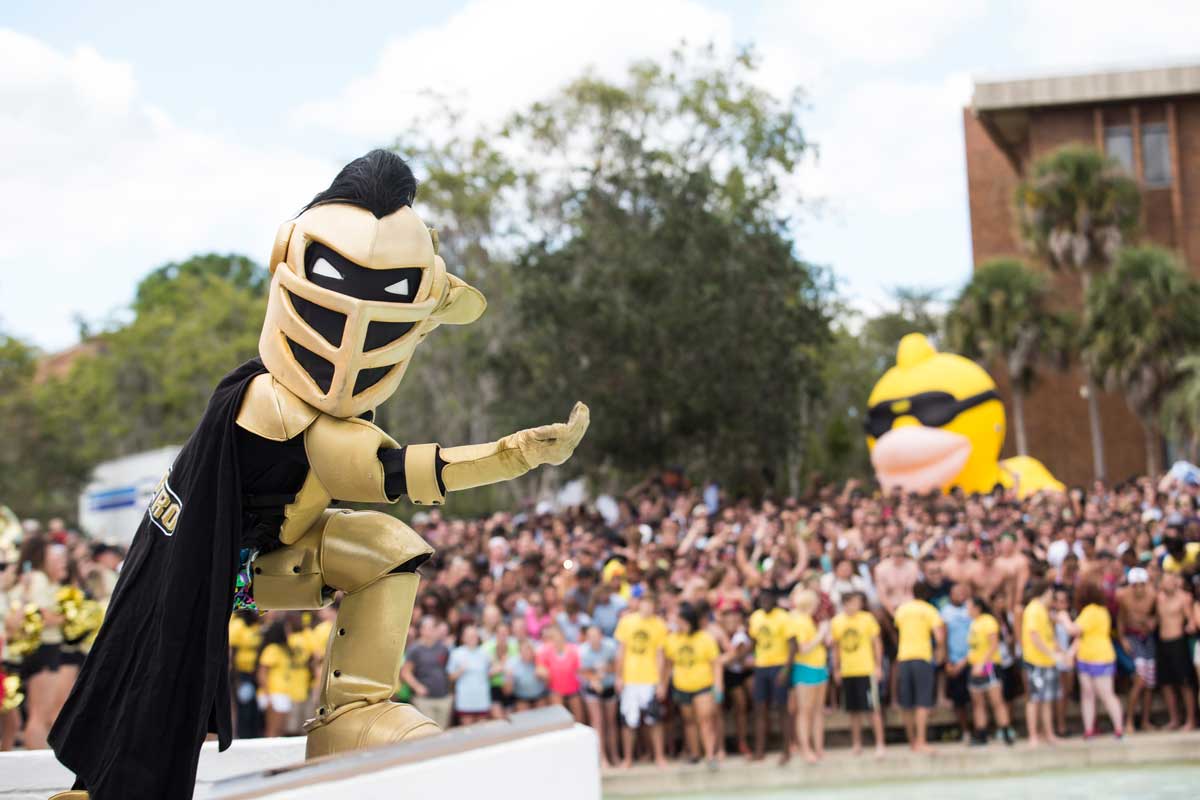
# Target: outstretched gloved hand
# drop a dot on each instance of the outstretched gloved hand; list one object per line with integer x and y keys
{"x": 552, "y": 444}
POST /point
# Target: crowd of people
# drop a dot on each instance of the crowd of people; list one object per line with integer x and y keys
{"x": 682, "y": 623}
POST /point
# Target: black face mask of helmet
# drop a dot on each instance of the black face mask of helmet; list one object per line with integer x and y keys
{"x": 325, "y": 267}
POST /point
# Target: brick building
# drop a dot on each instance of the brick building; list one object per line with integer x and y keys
{"x": 1148, "y": 120}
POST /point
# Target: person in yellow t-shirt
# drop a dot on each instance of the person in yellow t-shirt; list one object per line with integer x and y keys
{"x": 274, "y": 677}
{"x": 770, "y": 627}
{"x": 300, "y": 679}
{"x": 810, "y": 673}
{"x": 857, "y": 661}
{"x": 1095, "y": 659}
{"x": 245, "y": 640}
{"x": 695, "y": 671}
{"x": 918, "y": 625}
{"x": 318, "y": 644}
{"x": 640, "y": 636}
{"x": 1039, "y": 649}
{"x": 983, "y": 654}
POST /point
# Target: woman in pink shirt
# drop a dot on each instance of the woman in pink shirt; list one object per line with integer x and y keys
{"x": 537, "y": 616}
{"x": 558, "y": 666}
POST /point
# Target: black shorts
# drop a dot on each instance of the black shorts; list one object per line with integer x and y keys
{"x": 683, "y": 698}
{"x": 1174, "y": 663}
{"x": 767, "y": 689}
{"x": 606, "y": 693}
{"x": 917, "y": 681}
{"x": 499, "y": 696}
{"x": 47, "y": 658}
{"x": 735, "y": 679}
{"x": 72, "y": 656}
{"x": 1012, "y": 680}
{"x": 859, "y": 693}
{"x": 956, "y": 688}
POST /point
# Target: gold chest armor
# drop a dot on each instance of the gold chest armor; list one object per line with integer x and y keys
{"x": 342, "y": 453}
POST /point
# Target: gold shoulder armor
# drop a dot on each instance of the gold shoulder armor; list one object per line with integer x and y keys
{"x": 344, "y": 455}
{"x": 270, "y": 410}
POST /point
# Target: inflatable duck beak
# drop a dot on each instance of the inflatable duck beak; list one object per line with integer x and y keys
{"x": 915, "y": 458}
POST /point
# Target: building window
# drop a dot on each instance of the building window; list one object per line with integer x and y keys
{"x": 1118, "y": 144}
{"x": 1156, "y": 154}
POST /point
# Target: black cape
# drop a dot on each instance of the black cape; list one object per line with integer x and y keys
{"x": 157, "y": 678}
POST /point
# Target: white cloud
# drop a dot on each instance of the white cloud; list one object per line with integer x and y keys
{"x": 867, "y": 31}
{"x": 1091, "y": 35}
{"x": 897, "y": 146}
{"x": 496, "y": 57}
{"x": 100, "y": 186}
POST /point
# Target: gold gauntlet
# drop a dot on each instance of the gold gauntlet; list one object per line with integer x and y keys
{"x": 514, "y": 455}
{"x": 480, "y": 464}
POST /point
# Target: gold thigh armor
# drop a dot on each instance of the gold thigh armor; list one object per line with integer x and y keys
{"x": 358, "y": 552}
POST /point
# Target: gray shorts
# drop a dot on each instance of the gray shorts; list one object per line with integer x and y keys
{"x": 916, "y": 680}
{"x": 1043, "y": 683}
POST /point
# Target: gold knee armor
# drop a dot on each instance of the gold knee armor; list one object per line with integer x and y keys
{"x": 372, "y": 557}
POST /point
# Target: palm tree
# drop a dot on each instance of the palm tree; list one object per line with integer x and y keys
{"x": 1076, "y": 210}
{"x": 1003, "y": 314}
{"x": 1142, "y": 317}
{"x": 1181, "y": 410}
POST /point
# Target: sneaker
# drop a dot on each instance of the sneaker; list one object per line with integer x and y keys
{"x": 1010, "y": 736}
{"x": 979, "y": 739}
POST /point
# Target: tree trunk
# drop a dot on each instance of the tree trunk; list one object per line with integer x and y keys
{"x": 1153, "y": 448}
{"x": 1097, "y": 431}
{"x": 1093, "y": 393}
{"x": 1018, "y": 403}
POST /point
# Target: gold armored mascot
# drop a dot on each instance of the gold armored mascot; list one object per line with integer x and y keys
{"x": 251, "y": 502}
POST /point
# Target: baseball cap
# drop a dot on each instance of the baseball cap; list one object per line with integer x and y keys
{"x": 1137, "y": 575}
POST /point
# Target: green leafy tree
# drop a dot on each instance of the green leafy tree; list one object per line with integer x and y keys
{"x": 1003, "y": 315}
{"x": 1142, "y": 318}
{"x": 35, "y": 478}
{"x": 666, "y": 290}
{"x": 1076, "y": 210}
{"x": 139, "y": 384}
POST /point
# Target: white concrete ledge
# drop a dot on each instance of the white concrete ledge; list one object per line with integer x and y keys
{"x": 1086, "y": 88}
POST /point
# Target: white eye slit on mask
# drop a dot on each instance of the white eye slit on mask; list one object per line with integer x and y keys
{"x": 326, "y": 270}
{"x": 399, "y": 287}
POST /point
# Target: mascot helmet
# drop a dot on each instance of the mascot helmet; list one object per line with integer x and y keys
{"x": 356, "y": 284}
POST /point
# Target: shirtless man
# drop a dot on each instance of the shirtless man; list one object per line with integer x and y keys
{"x": 987, "y": 578}
{"x": 895, "y": 577}
{"x": 1014, "y": 565}
{"x": 959, "y": 565}
{"x": 1136, "y": 623}
{"x": 1175, "y": 673}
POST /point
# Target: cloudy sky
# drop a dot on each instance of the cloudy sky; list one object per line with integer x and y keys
{"x": 133, "y": 135}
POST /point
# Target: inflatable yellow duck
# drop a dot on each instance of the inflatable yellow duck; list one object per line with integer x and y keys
{"x": 935, "y": 421}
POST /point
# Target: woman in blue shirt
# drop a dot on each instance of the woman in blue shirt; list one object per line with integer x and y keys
{"x": 597, "y": 661}
{"x": 470, "y": 668}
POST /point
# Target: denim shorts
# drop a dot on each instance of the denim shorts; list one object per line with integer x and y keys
{"x": 804, "y": 675}
{"x": 1095, "y": 669}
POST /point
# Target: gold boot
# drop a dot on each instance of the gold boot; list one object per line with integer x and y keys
{"x": 366, "y": 726}
{"x": 362, "y": 667}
